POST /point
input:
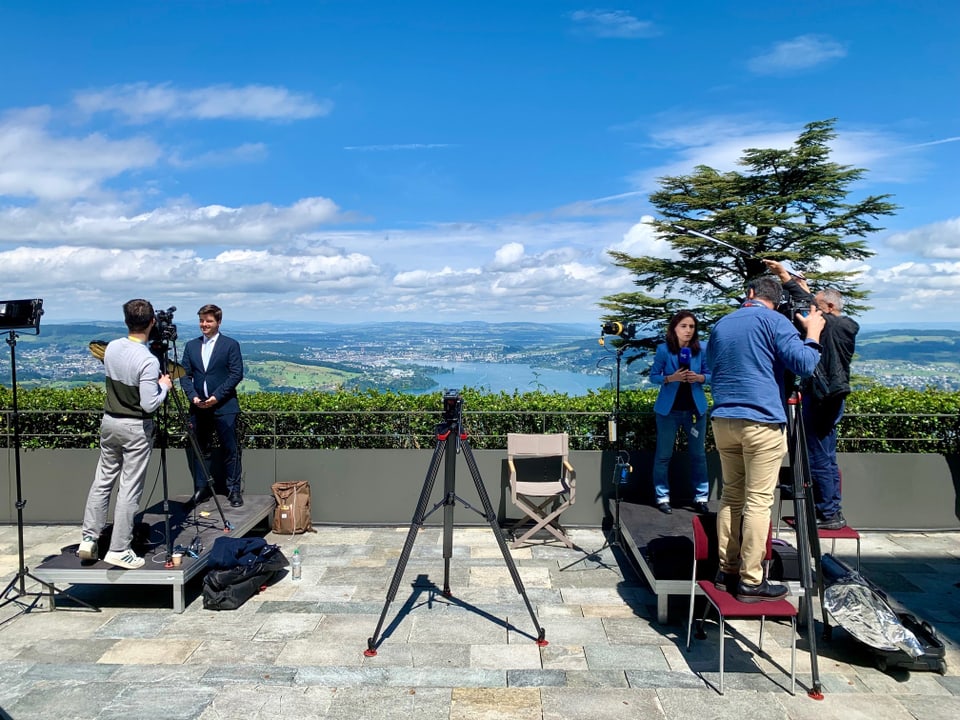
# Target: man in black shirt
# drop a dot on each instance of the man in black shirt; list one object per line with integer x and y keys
{"x": 825, "y": 393}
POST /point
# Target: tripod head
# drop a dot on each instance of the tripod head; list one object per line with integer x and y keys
{"x": 452, "y": 416}
{"x": 452, "y": 406}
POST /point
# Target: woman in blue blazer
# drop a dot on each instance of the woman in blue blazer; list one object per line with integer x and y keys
{"x": 680, "y": 370}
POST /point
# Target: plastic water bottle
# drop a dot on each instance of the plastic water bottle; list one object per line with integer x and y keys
{"x": 296, "y": 567}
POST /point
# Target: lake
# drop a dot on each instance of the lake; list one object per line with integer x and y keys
{"x": 499, "y": 377}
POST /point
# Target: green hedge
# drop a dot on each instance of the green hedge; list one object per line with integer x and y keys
{"x": 877, "y": 419}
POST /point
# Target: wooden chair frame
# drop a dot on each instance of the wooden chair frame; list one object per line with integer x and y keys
{"x": 541, "y": 501}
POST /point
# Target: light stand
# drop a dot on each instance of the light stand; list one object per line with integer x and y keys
{"x": 20, "y": 315}
{"x": 621, "y": 467}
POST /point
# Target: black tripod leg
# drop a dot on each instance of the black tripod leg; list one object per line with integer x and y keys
{"x": 415, "y": 526}
{"x": 491, "y": 517}
{"x": 810, "y": 521}
{"x": 449, "y": 504}
{"x": 195, "y": 444}
{"x": 167, "y": 535}
{"x": 808, "y": 542}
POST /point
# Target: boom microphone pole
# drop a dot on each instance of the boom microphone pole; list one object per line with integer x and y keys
{"x": 699, "y": 234}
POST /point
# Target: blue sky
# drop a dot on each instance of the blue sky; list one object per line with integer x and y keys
{"x": 357, "y": 160}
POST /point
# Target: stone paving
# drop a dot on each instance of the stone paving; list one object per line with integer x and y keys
{"x": 296, "y": 650}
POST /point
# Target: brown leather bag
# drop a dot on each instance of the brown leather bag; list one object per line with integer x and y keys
{"x": 292, "y": 514}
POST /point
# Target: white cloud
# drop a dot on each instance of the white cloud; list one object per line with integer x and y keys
{"x": 175, "y": 225}
{"x": 142, "y": 103}
{"x": 937, "y": 240}
{"x": 37, "y": 164}
{"x": 642, "y": 239}
{"x": 613, "y": 24}
{"x": 494, "y": 271}
{"x": 800, "y": 53}
{"x": 508, "y": 255}
{"x": 719, "y": 142}
{"x": 912, "y": 291}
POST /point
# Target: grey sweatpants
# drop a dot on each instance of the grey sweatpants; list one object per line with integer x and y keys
{"x": 125, "y": 445}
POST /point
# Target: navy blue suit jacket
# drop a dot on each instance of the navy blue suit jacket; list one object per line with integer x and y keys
{"x": 224, "y": 372}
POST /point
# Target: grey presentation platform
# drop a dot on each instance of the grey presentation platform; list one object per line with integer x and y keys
{"x": 67, "y": 568}
{"x": 641, "y": 525}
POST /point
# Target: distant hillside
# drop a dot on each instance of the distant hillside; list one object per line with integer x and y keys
{"x": 910, "y": 345}
{"x": 407, "y": 356}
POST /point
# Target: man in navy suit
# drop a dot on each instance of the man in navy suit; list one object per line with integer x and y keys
{"x": 213, "y": 367}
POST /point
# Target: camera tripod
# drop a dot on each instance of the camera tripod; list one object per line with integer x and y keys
{"x": 805, "y": 526}
{"x": 451, "y": 438}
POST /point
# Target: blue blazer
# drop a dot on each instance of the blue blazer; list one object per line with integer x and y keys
{"x": 224, "y": 372}
{"x": 666, "y": 363}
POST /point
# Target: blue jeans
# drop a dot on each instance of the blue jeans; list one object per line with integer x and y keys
{"x": 695, "y": 427}
{"x": 820, "y": 420}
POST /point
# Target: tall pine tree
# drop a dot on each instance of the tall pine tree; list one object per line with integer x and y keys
{"x": 786, "y": 205}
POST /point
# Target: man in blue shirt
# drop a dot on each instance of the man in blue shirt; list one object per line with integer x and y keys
{"x": 749, "y": 351}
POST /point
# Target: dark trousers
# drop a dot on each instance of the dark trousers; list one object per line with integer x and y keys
{"x": 820, "y": 420}
{"x": 205, "y": 424}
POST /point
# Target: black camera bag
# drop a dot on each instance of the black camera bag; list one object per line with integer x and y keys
{"x": 239, "y": 569}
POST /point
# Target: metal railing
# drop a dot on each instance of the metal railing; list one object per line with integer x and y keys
{"x": 304, "y": 429}
{"x": 296, "y": 429}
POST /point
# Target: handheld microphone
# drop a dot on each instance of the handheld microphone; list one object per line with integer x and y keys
{"x": 684, "y": 358}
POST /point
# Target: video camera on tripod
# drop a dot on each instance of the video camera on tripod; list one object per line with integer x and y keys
{"x": 164, "y": 332}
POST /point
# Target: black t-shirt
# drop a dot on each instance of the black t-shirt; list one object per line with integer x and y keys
{"x": 684, "y": 399}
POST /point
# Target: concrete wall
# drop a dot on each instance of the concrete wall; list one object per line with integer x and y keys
{"x": 908, "y": 491}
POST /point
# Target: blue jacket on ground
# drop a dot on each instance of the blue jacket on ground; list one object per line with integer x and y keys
{"x": 666, "y": 363}
{"x": 749, "y": 350}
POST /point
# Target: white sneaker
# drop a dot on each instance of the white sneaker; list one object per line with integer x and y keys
{"x": 88, "y": 548}
{"x": 126, "y": 559}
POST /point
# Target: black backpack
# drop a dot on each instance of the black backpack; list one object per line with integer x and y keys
{"x": 239, "y": 569}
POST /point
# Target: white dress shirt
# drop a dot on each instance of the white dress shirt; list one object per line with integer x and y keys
{"x": 206, "y": 351}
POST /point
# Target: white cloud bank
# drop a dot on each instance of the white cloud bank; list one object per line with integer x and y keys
{"x": 68, "y": 235}
{"x": 37, "y": 164}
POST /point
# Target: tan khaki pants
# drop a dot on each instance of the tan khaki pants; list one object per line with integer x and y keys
{"x": 750, "y": 456}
